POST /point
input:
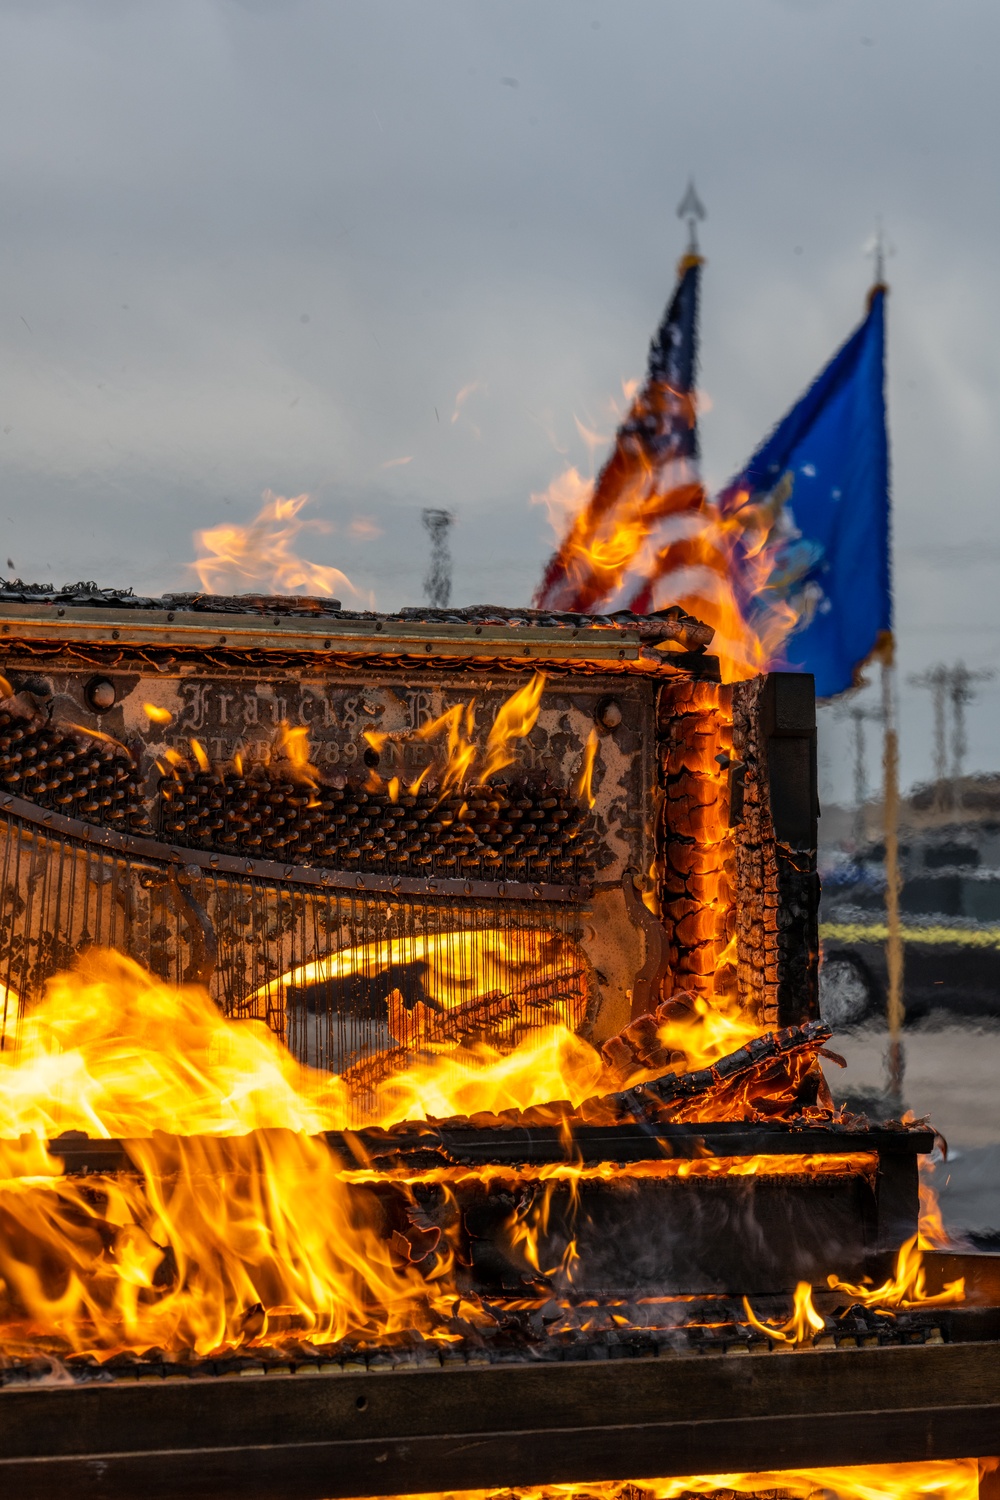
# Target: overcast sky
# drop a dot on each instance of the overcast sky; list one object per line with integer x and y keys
{"x": 251, "y": 245}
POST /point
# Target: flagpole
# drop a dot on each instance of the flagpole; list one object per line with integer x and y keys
{"x": 894, "y": 934}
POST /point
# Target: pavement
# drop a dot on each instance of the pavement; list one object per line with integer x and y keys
{"x": 952, "y": 1074}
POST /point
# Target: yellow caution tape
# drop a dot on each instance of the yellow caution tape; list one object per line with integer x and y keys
{"x": 878, "y": 932}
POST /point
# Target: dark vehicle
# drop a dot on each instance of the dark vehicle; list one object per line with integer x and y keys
{"x": 950, "y": 905}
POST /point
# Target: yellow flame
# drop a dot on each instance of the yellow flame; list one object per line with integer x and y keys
{"x": 907, "y": 1287}
{"x": 584, "y": 787}
{"x": 262, "y": 553}
{"x": 801, "y": 1327}
{"x": 98, "y": 734}
{"x": 516, "y": 718}
{"x": 928, "y": 1479}
{"x": 157, "y": 715}
{"x": 293, "y": 744}
{"x": 201, "y": 755}
{"x": 243, "y": 1227}
{"x": 647, "y": 540}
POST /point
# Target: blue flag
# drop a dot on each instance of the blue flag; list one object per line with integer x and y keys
{"x": 819, "y": 485}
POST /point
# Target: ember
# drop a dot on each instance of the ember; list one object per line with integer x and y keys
{"x": 954, "y": 1479}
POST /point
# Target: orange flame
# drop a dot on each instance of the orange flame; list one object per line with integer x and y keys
{"x": 656, "y": 547}
{"x": 98, "y": 734}
{"x": 248, "y": 1229}
{"x": 932, "y": 1232}
{"x": 515, "y": 719}
{"x": 929, "y": 1479}
{"x": 293, "y": 744}
{"x": 157, "y": 715}
{"x": 584, "y": 787}
{"x": 907, "y": 1287}
{"x": 201, "y": 755}
{"x": 801, "y": 1327}
{"x": 261, "y": 554}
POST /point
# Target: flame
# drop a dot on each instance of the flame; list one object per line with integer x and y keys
{"x": 564, "y": 499}
{"x": 98, "y": 734}
{"x": 201, "y": 755}
{"x": 706, "y": 1034}
{"x": 262, "y": 554}
{"x": 932, "y": 1234}
{"x": 855, "y": 1163}
{"x": 510, "y": 1002}
{"x": 907, "y": 1287}
{"x": 457, "y": 765}
{"x": 929, "y": 1479}
{"x": 584, "y": 786}
{"x": 801, "y": 1327}
{"x": 217, "y": 1239}
{"x": 516, "y": 718}
{"x": 730, "y": 562}
{"x": 238, "y": 1224}
{"x": 157, "y": 715}
{"x": 293, "y": 744}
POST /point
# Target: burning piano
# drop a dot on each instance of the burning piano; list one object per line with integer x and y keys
{"x": 433, "y": 997}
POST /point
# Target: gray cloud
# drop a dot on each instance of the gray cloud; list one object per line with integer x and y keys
{"x": 252, "y": 245}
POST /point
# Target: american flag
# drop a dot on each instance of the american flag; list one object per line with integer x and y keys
{"x": 630, "y": 533}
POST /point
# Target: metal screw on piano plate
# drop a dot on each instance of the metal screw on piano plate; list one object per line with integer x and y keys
{"x": 428, "y": 646}
{"x": 214, "y": 861}
{"x": 170, "y": 616}
{"x": 115, "y": 634}
{"x": 47, "y": 820}
{"x": 501, "y": 889}
{"x": 60, "y": 611}
{"x": 222, "y": 640}
{"x": 536, "y": 890}
{"x": 249, "y": 866}
{"x": 101, "y": 694}
{"x": 360, "y": 883}
{"x": 468, "y": 888}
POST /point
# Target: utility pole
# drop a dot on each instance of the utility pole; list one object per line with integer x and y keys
{"x": 859, "y": 716}
{"x": 938, "y": 679}
{"x": 950, "y": 686}
{"x": 962, "y": 694}
{"x": 437, "y": 580}
{"x": 895, "y": 1008}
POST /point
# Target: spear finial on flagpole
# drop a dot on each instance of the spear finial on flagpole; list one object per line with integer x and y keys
{"x": 879, "y": 248}
{"x": 692, "y": 209}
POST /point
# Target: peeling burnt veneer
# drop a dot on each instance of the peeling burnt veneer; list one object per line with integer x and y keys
{"x": 739, "y": 835}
